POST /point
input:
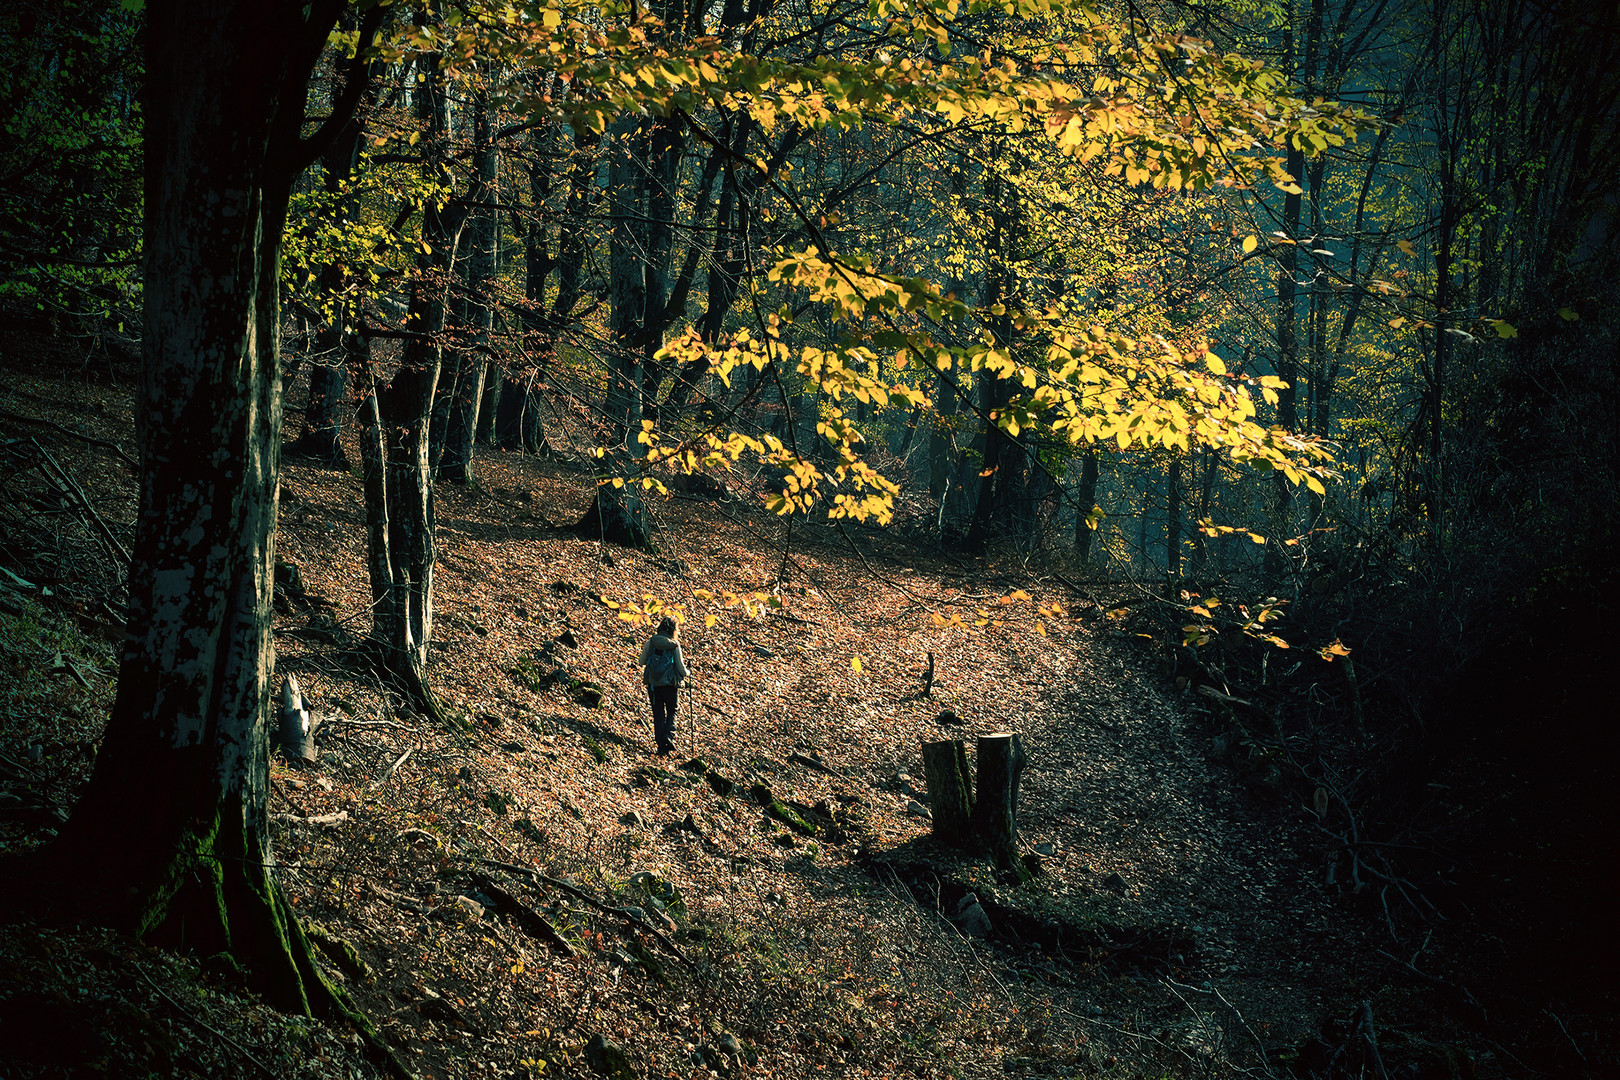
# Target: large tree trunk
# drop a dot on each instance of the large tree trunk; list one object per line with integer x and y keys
{"x": 328, "y": 393}
{"x": 518, "y": 424}
{"x": 399, "y": 517}
{"x": 170, "y": 837}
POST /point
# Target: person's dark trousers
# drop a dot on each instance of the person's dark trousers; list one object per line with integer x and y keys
{"x": 663, "y": 707}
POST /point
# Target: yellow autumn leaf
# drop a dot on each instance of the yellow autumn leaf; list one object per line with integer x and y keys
{"x": 1328, "y": 652}
{"x": 855, "y": 664}
{"x": 1406, "y": 246}
{"x": 1250, "y": 243}
{"x": 709, "y": 620}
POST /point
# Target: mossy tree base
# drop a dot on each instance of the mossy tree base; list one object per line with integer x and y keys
{"x": 191, "y": 874}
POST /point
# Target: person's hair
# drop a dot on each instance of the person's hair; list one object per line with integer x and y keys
{"x": 667, "y": 627}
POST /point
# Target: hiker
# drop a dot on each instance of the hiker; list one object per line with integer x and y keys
{"x": 663, "y": 669}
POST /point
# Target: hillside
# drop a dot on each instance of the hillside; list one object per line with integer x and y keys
{"x": 500, "y": 891}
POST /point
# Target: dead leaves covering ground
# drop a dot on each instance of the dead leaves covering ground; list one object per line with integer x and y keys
{"x": 692, "y": 928}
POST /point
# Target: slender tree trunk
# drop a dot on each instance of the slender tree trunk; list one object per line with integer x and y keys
{"x": 1085, "y": 499}
{"x": 727, "y": 259}
{"x": 1172, "y": 528}
{"x": 940, "y": 455}
{"x": 666, "y": 143}
{"x": 478, "y": 308}
{"x": 627, "y": 268}
{"x": 616, "y": 512}
{"x": 336, "y": 342}
{"x": 1287, "y": 365}
{"x": 402, "y": 554}
{"x": 489, "y": 408}
{"x": 1206, "y": 493}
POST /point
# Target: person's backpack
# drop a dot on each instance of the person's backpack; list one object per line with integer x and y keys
{"x": 661, "y": 668}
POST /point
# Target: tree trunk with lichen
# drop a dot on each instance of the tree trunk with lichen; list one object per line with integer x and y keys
{"x": 170, "y": 839}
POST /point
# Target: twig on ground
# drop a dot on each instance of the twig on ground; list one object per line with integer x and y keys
{"x": 189, "y": 1015}
{"x": 75, "y": 494}
{"x": 1435, "y": 980}
{"x": 527, "y": 918}
{"x": 366, "y": 723}
{"x": 581, "y": 894}
{"x": 324, "y": 821}
{"x": 856, "y": 548}
{"x": 91, "y": 439}
{"x": 1573, "y": 1044}
{"x": 641, "y": 923}
{"x": 393, "y": 768}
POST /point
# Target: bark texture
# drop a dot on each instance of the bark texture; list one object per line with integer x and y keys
{"x": 950, "y": 791}
{"x": 995, "y": 813}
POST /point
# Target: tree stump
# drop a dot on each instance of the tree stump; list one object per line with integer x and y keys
{"x": 995, "y": 812}
{"x": 950, "y": 791}
{"x": 297, "y": 734}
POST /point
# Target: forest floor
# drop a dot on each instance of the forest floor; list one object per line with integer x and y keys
{"x": 497, "y": 891}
